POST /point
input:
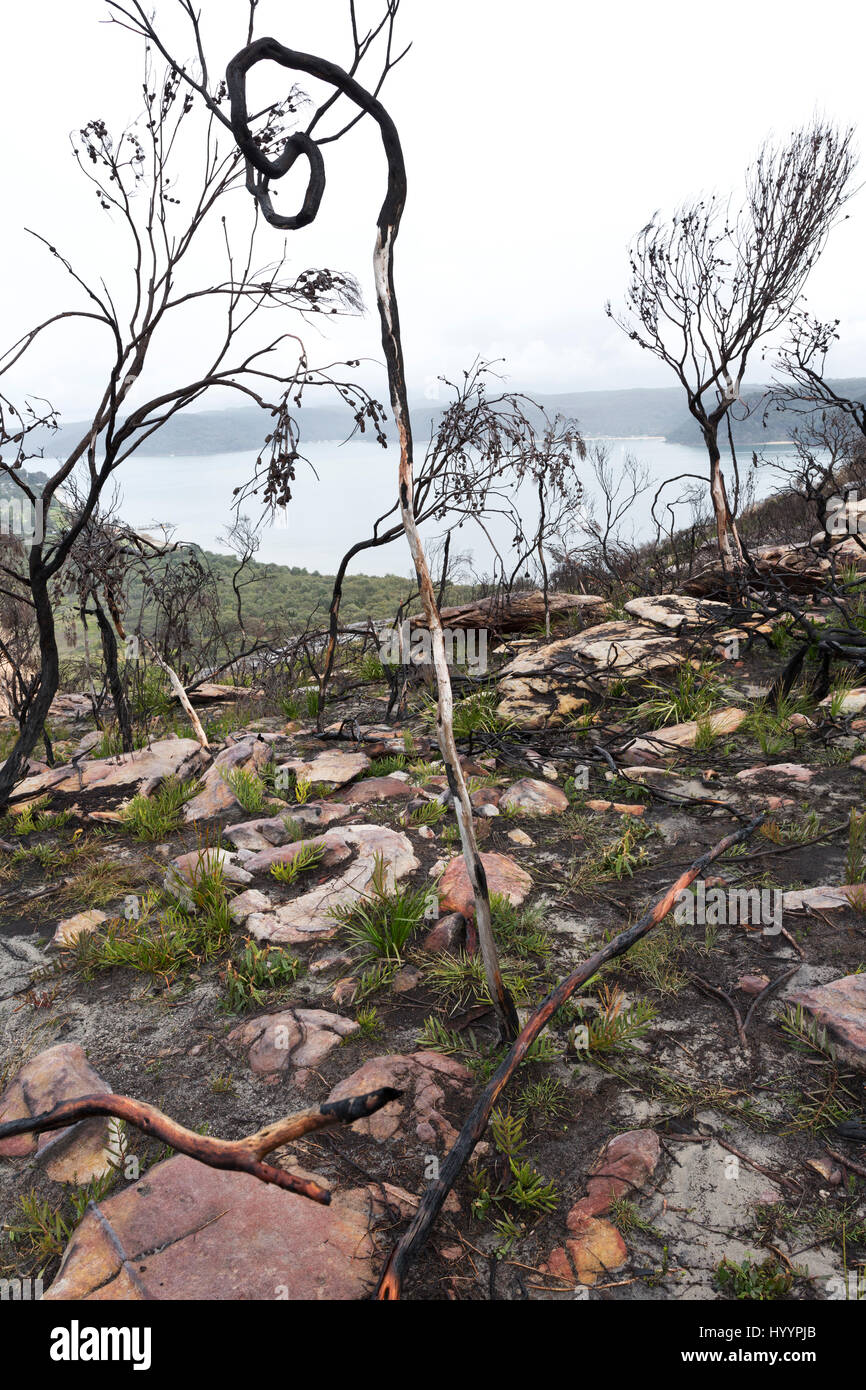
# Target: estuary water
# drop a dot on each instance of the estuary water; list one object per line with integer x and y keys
{"x": 352, "y": 485}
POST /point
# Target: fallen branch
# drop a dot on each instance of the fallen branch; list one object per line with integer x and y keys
{"x": 476, "y": 1123}
{"x": 177, "y": 687}
{"x": 706, "y": 988}
{"x": 767, "y": 991}
{"x": 848, "y": 1163}
{"x": 776, "y": 1176}
{"x": 242, "y": 1155}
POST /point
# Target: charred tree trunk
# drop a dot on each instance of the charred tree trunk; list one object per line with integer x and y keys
{"x": 112, "y": 672}
{"x": 33, "y": 725}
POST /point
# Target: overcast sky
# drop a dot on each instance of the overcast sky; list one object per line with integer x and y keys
{"x": 538, "y": 137}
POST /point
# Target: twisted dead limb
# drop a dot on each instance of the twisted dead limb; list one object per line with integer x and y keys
{"x": 476, "y": 1123}
{"x": 260, "y": 170}
{"x": 241, "y": 1155}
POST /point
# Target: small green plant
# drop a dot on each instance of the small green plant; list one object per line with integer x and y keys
{"x": 431, "y": 813}
{"x": 621, "y": 858}
{"x": 303, "y": 790}
{"x": 369, "y": 1022}
{"x": 627, "y": 1218}
{"x": 613, "y": 1027}
{"x": 256, "y": 971}
{"x": 545, "y": 1099}
{"x": 222, "y": 1084}
{"x": 371, "y": 668}
{"x": 519, "y": 930}
{"x": 440, "y": 1038}
{"x": 380, "y": 924}
{"x": 753, "y": 1281}
{"x": 249, "y": 789}
{"x": 155, "y": 817}
{"x": 695, "y": 692}
{"x": 855, "y": 858}
{"x": 308, "y": 856}
{"x": 384, "y": 767}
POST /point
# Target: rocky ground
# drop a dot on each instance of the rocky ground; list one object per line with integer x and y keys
{"x": 235, "y": 934}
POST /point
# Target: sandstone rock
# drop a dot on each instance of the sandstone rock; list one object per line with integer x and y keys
{"x": 752, "y": 984}
{"x": 532, "y": 687}
{"x": 663, "y": 742}
{"x": 258, "y": 834}
{"x": 317, "y": 814}
{"x": 789, "y": 772}
{"x": 187, "y": 1232}
{"x": 169, "y": 757}
{"x": 840, "y": 1007}
{"x": 503, "y": 876}
{"x": 597, "y": 1249}
{"x": 824, "y": 898}
{"x": 406, "y": 979}
{"x": 309, "y": 915}
{"x": 333, "y": 767}
{"x": 293, "y": 1038}
{"x": 216, "y": 797}
{"x": 427, "y": 1080}
{"x": 534, "y": 798}
{"x": 677, "y": 611}
{"x": 79, "y": 1152}
{"x": 66, "y": 933}
{"x": 485, "y": 796}
{"x": 375, "y": 789}
{"x": 520, "y": 837}
{"x": 248, "y": 902}
{"x": 333, "y": 847}
{"x": 449, "y": 934}
{"x": 624, "y": 1166}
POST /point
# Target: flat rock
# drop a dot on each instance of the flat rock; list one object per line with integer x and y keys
{"x": 534, "y": 798}
{"x": 168, "y": 757}
{"x": 503, "y": 876}
{"x": 317, "y": 814}
{"x": 79, "y": 1152}
{"x": 427, "y": 1080}
{"x": 187, "y": 1232}
{"x": 375, "y": 789}
{"x": 840, "y": 1007}
{"x": 545, "y": 686}
{"x": 334, "y": 849}
{"x": 826, "y": 898}
{"x": 663, "y": 742}
{"x": 787, "y": 772}
{"x": 624, "y": 1166}
{"x": 259, "y": 833}
{"x": 293, "y": 1038}
{"x": 67, "y": 932}
{"x": 309, "y": 915}
{"x": 597, "y": 1249}
{"x": 333, "y": 767}
{"x": 854, "y": 702}
{"x": 675, "y": 612}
